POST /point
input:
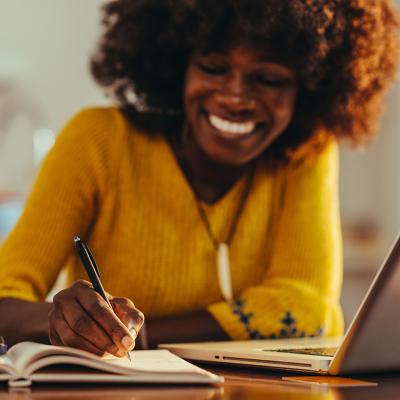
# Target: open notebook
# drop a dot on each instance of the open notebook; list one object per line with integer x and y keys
{"x": 29, "y": 362}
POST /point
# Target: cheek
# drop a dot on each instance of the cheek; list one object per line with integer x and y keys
{"x": 283, "y": 103}
{"x": 197, "y": 90}
{"x": 188, "y": 86}
{"x": 193, "y": 90}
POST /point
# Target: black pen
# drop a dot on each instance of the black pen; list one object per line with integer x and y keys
{"x": 93, "y": 272}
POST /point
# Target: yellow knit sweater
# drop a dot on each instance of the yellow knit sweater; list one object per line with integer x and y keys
{"x": 124, "y": 193}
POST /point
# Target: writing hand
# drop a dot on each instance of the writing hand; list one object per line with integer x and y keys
{"x": 81, "y": 318}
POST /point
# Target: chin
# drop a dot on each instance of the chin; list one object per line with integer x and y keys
{"x": 229, "y": 159}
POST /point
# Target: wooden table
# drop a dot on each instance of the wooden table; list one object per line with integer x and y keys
{"x": 239, "y": 384}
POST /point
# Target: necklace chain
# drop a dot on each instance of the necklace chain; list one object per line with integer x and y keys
{"x": 232, "y": 229}
{"x": 202, "y": 212}
{"x": 221, "y": 248}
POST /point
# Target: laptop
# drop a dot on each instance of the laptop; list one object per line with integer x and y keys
{"x": 371, "y": 343}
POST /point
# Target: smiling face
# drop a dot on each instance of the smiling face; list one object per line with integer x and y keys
{"x": 237, "y": 103}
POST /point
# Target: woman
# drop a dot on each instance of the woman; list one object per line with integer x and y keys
{"x": 220, "y": 158}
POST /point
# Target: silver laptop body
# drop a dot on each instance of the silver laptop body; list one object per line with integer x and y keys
{"x": 371, "y": 343}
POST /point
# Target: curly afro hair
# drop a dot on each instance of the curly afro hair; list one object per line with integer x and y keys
{"x": 343, "y": 51}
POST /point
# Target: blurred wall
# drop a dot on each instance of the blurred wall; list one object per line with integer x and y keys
{"x": 44, "y": 48}
{"x": 370, "y": 198}
{"x": 370, "y": 185}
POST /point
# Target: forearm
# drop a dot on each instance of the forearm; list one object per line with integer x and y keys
{"x": 199, "y": 326}
{"x": 24, "y": 320}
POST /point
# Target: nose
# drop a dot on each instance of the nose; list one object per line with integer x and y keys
{"x": 235, "y": 95}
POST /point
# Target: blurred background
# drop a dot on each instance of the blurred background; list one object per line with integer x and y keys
{"x": 44, "y": 79}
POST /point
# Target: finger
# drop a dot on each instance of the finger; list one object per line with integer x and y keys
{"x": 68, "y": 308}
{"x": 86, "y": 327}
{"x": 105, "y": 317}
{"x": 94, "y": 305}
{"x": 69, "y": 338}
{"x": 54, "y": 338}
{"x": 128, "y": 313}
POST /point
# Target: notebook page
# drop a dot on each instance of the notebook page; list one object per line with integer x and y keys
{"x": 28, "y": 356}
{"x": 156, "y": 361}
{"x": 6, "y": 367}
{"x": 25, "y": 353}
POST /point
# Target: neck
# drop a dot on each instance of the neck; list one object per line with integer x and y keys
{"x": 209, "y": 179}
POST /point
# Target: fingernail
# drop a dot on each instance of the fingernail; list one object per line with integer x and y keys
{"x": 121, "y": 353}
{"x": 128, "y": 342}
{"x": 133, "y": 332}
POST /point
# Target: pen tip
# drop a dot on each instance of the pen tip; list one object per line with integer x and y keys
{"x": 77, "y": 239}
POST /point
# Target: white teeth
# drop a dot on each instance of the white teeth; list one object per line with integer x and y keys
{"x": 237, "y": 128}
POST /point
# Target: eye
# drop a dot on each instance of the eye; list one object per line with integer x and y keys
{"x": 211, "y": 69}
{"x": 267, "y": 80}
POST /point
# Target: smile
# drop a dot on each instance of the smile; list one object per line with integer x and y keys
{"x": 231, "y": 127}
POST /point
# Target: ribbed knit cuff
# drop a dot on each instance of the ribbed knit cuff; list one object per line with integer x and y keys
{"x": 229, "y": 321}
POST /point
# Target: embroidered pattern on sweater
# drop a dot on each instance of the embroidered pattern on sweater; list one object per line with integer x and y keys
{"x": 288, "y": 325}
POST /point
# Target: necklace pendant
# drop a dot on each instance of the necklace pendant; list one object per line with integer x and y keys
{"x": 224, "y": 271}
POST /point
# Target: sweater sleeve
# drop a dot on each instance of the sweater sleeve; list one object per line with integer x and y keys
{"x": 62, "y": 203}
{"x": 299, "y": 293}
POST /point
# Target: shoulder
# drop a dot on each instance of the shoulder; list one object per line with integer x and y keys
{"x": 100, "y": 129}
{"x": 97, "y": 120}
{"x": 317, "y": 156}
{"x": 314, "y": 170}
{"x": 92, "y": 140}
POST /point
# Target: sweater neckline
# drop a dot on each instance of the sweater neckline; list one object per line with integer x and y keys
{"x": 231, "y": 195}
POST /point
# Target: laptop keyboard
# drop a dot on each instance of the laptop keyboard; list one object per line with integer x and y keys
{"x": 317, "y": 351}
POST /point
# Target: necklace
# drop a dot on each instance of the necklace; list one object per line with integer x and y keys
{"x": 221, "y": 247}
